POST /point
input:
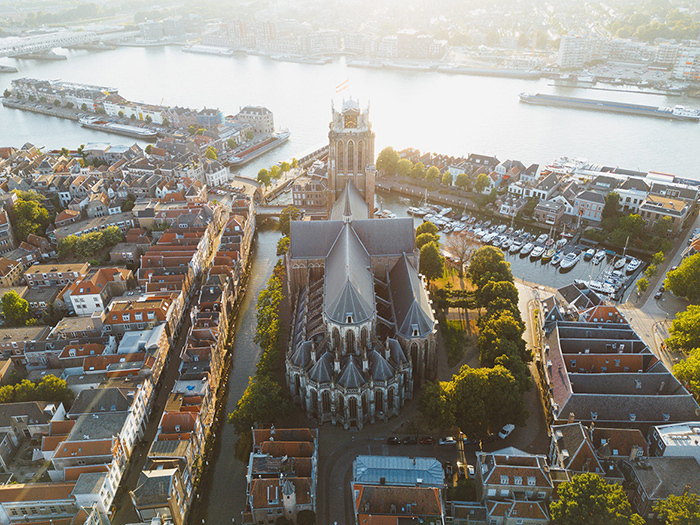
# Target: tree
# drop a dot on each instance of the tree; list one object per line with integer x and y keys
{"x": 15, "y": 309}
{"x": 7, "y": 93}
{"x": 431, "y": 264}
{"x": 275, "y": 172}
{"x": 295, "y": 163}
{"x": 25, "y": 391}
{"x": 493, "y": 290}
{"x": 211, "y": 153}
{"x": 685, "y": 280}
{"x": 69, "y": 105}
{"x": 433, "y": 174}
{"x": 462, "y": 181}
{"x": 426, "y": 227}
{"x": 121, "y": 114}
{"x": 249, "y": 135}
{"x": 262, "y": 403}
{"x": 435, "y": 403}
{"x": 418, "y": 171}
{"x": 685, "y": 330}
{"x": 642, "y": 285}
{"x": 290, "y": 213}
{"x": 83, "y": 107}
{"x": 482, "y": 182}
{"x": 387, "y": 161}
{"x": 589, "y": 500}
{"x": 29, "y": 215}
{"x": 149, "y": 148}
{"x": 688, "y": 372}
{"x": 503, "y": 334}
{"x": 679, "y": 510}
{"x": 283, "y": 245}
{"x": 51, "y": 388}
{"x": 461, "y": 247}
{"x": 264, "y": 177}
{"x": 285, "y": 167}
{"x": 166, "y": 123}
{"x": 651, "y": 270}
{"x": 662, "y": 226}
{"x": 612, "y": 205}
{"x": 446, "y": 179}
{"x": 658, "y": 258}
{"x": 404, "y": 167}
{"x": 306, "y": 517}
{"x": 132, "y": 116}
{"x": 425, "y": 238}
{"x": 56, "y": 102}
{"x": 149, "y": 119}
{"x": 487, "y": 264}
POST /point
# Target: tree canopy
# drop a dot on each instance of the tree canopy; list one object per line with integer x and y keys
{"x": 685, "y": 280}
{"x": 15, "y": 309}
{"x": 89, "y": 244}
{"x": 679, "y": 510}
{"x": 290, "y": 213}
{"x": 404, "y": 167}
{"x": 493, "y": 290}
{"x": 589, "y": 500}
{"x": 433, "y": 174}
{"x": 462, "y": 180}
{"x": 612, "y": 205}
{"x": 262, "y": 403}
{"x": 50, "y": 388}
{"x": 432, "y": 263}
{"x": 264, "y": 177}
{"x": 685, "y": 330}
{"x": 446, "y": 179}
{"x": 488, "y": 264}
{"x": 425, "y": 238}
{"x": 688, "y": 372}
{"x": 481, "y": 183}
{"x": 28, "y": 215}
{"x": 501, "y": 335}
{"x": 387, "y": 161}
{"x": 418, "y": 171}
{"x": 426, "y": 227}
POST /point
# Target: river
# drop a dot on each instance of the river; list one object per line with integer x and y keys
{"x": 437, "y": 112}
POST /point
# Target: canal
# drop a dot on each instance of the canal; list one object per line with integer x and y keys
{"x": 223, "y": 487}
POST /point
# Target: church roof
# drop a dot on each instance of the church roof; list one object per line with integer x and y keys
{"x": 349, "y": 283}
{"x": 350, "y": 203}
{"x": 352, "y": 376}
{"x": 380, "y": 367}
{"x": 411, "y": 304}
{"x": 321, "y": 371}
{"x": 302, "y": 355}
{"x": 396, "y": 352}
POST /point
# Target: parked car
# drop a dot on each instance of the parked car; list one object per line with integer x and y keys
{"x": 427, "y": 440}
{"x": 470, "y": 471}
{"x": 506, "y": 431}
{"x": 449, "y": 440}
{"x": 393, "y": 441}
{"x": 470, "y": 442}
{"x": 658, "y": 294}
{"x": 461, "y": 471}
{"x": 410, "y": 440}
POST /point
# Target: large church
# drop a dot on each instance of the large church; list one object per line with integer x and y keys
{"x": 363, "y": 334}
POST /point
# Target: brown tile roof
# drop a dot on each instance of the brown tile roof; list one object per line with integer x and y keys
{"x": 620, "y": 439}
{"x": 261, "y": 488}
{"x": 416, "y": 501}
{"x": 73, "y": 473}
{"x": 36, "y": 492}
{"x": 84, "y": 449}
{"x": 287, "y": 448}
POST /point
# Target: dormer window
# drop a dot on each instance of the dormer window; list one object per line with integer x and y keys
{"x": 349, "y": 318}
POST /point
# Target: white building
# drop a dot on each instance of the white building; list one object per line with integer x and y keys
{"x": 573, "y": 51}
{"x": 215, "y": 174}
{"x": 678, "y": 440}
{"x": 687, "y": 64}
{"x": 259, "y": 119}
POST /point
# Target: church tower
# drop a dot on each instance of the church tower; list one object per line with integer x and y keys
{"x": 351, "y": 153}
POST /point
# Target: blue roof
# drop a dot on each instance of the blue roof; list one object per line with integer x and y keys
{"x": 398, "y": 470}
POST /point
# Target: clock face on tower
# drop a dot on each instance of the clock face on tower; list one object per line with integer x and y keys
{"x": 350, "y": 121}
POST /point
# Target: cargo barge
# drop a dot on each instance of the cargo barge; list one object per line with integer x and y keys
{"x": 257, "y": 150}
{"x": 676, "y": 112}
{"x": 119, "y": 129}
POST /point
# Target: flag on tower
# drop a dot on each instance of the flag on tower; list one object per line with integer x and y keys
{"x": 342, "y": 86}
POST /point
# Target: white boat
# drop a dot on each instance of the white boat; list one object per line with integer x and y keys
{"x": 556, "y": 259}
{"x": 445, "y": 211}
{"x": 599, "y": 287}
{"x": 516, "y": 246}
{"x": 548, "y": 254}
{"x": 498, "y": 241}
{"x": 561, "y": 243}
{"x": 620, "y": 263}
{"x": 527, "y": 248}
{"x": 537, "y": 252}
{"x": 501, "y": 228}
{"x": 588, "y": 254}
{"x": 542, "y": 238}
{"x": 506, "y": 244}
{"x": 569, "y": 261}
{"x": 633, "y": 265}
{"x": 413, "y": 210}
{"x": 599, "y": 257}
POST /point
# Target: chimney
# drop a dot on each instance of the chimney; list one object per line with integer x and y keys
{"x": 571, "y": 417}
{"x": 633, "y": 453}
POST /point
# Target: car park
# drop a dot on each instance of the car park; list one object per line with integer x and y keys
{"x": 506, "y": 431}
{"x": 449, "y": 440}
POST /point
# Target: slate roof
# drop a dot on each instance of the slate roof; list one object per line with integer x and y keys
{"x": 349, "y": 283}
{"x": 411, "y": 304}
{"x": 350, "y": 203}
{"x": 398, "y": 470}
{"x": 89, "y": 483}
{"x": 664, "y": 476}
{"x": 352, "y": 376}
{"x": 101, "y": 400}
{"x": 322, "y": 370}
{"x": 379, "y": 367}
{"x": 153, "y": 486}
{"x": 591, "y": 196}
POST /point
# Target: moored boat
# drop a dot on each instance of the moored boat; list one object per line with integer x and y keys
{"x": 599, "y": 257}
{"x": 537, "y": 252}
{"x": 588, "y": 254}
{"x": 569, "y": 261}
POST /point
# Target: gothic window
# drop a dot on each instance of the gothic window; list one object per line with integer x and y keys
{"x": 314, "y": 401}
{"x": 297, "y": 382}
{"x": 350, "y": 342}
{"x": 341, "y": 405}
{"x": 414, "y": 356}
{"x": 360, "y": 163}
{"x": 326, "y": 401}
{"x": 378, "y": 401}
{"x": 364, "y": 338}
{"x": 390, "y": 399}
{"x": 365, "y": 409}
{"x": 340, "y": 156}
{"x": 336, "y": 339}
{"x": 352, "y": 404}
{"x": 351, "y": 158}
